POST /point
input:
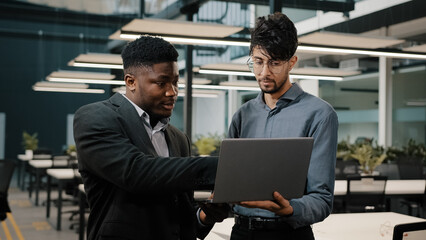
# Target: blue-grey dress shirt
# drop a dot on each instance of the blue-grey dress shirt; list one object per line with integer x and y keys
{"x": 297, "y": 114}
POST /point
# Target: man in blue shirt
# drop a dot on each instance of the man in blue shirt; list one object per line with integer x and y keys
{"x": 283, "y": 109}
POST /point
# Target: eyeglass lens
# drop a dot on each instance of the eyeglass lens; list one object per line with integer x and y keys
{"x": 257, "y": 66}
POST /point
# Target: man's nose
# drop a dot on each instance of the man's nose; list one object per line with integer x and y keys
{"x": 172, "y": 90}
{"x": 265, "y": 70}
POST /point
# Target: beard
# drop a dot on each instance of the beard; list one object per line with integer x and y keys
{"x": 275, "y": 88}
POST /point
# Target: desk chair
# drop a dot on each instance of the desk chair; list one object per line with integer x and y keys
{"x": 6, "y": 171}
{"x": 411, "y": 168}
{"x": 365, "y": 193}
{"x": 413, "y": 231}
{"x": 345, "y": 168}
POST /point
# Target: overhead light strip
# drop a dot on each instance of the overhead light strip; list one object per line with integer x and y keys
{"x": 218, "y": 87}
{"x": 331, "y": 78}
{"x": 82, "y": 80}
{"x": 69, "y": 90}
{"x": 97, "y": 65}
{"x": 250, "y": 74}
{"x": 361, "y": 52}
{"x": 305, "y": 48}
{"x": 191, "y": 41}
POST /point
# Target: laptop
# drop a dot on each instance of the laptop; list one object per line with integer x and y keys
{"x": 251, "y": 169}
{"x": 410, "y": 231}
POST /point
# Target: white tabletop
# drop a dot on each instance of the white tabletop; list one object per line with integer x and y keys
{"x": 347, "y": 226}
{"x": 24, "y": 157}
{"x": 393, "y": 187}
{"x": 61, "y": 173}
{"x": 405, "y": 186}
{"x": 41, "y": 163}
{"x": 365, "y": 226}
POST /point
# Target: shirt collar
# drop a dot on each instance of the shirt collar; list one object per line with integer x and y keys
{"x": 161, "y": 125}
{"x": 290, "y": 95}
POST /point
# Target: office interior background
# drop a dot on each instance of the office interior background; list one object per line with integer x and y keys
{"x": 383, "y": 98}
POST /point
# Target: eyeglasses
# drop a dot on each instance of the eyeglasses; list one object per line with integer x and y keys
{"x": 257, "y": 65}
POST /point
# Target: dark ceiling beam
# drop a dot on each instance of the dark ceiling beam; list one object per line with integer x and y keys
{"x": 179, "y": 8}
{"x": 386, "y": 17}
{"x": 325, "y": 5}
{"x": 17, "y": 10}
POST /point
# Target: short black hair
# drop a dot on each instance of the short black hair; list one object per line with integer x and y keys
{"x": 275, "y": 34}
{"x": 148, "y": 50}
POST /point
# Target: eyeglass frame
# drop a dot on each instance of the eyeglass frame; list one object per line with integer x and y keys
{"x": 250, "y": 64}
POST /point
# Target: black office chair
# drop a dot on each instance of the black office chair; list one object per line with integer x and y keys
{"x": 346, "y": 168}
{"x": 411, "y": 168}
{"x": 6, "y": 172}
{"x": 365, "y": 193}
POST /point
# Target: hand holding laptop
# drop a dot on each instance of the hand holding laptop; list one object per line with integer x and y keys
{"x": 280, "y": 206}
{"x": 213, "y": 212}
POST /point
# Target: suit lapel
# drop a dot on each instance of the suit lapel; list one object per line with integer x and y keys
{"x": 174, "y": 150}
{"x": 134, "y": 123}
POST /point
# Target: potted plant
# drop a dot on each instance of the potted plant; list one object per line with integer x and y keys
{"x": 207, "y": 145}
{"x": 72, "y": 151}
{"x": 30, "y": 143}
{"x": 369, "y": 157}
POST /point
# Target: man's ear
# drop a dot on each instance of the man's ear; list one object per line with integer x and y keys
{"x": 292, "y": 61}
{"x": 130, "y": 81}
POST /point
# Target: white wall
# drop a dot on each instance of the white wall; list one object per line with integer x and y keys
{"x": 209, "y": 116}
{"x": 2, "y": 133}
{"x": 70, "y": 132}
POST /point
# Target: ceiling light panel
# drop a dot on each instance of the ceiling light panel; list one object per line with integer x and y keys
{"x": 347, "y": 40}
{"x": 97, "y": 60}
{"x": 180, "y": 28}
{"x": 81, "y": 74}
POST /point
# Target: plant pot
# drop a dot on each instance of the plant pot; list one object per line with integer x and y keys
{"x": 373, "y": 173}
{"x": 29, "y": 153}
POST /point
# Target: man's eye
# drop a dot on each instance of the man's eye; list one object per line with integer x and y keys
{"x": 160, "y": 84}
{"x": 275, "y": 63}
{"x": 259, "y": 63}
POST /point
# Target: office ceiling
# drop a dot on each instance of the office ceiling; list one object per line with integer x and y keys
{"x": 398, "y": 25}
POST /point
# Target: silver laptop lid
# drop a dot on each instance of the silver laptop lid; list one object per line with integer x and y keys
{"x": 252, "y": 169}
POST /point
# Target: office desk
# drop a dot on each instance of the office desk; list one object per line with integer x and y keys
{"x": 62, "y": 176}
{"x": 393, "y": 187}
{"x": 23, "y": 161}
{"x": 365, "y": 226}
{"x": 39, "y": 167}
{"x": 347, "y": 226}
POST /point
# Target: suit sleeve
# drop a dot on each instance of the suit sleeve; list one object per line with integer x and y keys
{"x": 105, "y": 150}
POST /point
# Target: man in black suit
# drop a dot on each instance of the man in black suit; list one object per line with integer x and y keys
{"x": 136, "y": 169}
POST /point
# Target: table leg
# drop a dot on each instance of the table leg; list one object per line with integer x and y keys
{"x": 30, "y": 188}
{"x": 37, "y": 185}
{"x": 82, "y": 217}
{"x": 48, "y": 196}
{"x": 58, "y": 224}
{"x": 19, "y": 164}
{"x": 24, "y": 166}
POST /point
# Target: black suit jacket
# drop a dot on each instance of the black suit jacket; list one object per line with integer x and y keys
{"x": 133, "y": 193}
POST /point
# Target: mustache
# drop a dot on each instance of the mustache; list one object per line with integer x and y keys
{"x": 170, "y": 101}
{"x": 265, "y": 79}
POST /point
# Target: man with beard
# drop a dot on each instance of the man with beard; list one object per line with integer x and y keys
{"x": 283, "y": 109}
{"x": 135, "y": 167}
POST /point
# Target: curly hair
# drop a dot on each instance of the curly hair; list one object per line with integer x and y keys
{"x": 275, "y": 34}
{"x": 148, "y": 50}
